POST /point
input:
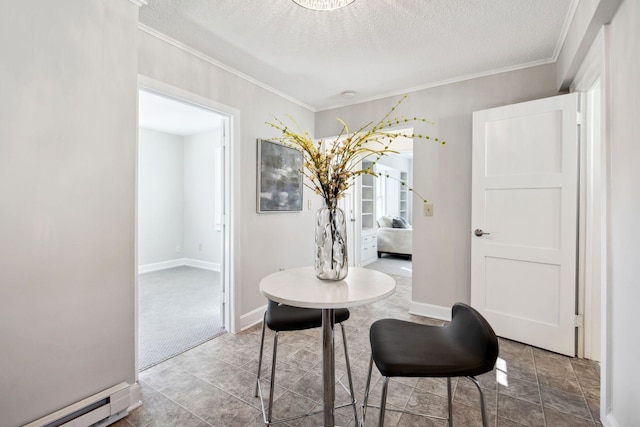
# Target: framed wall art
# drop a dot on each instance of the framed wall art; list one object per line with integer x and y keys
{"x": 280, "y": 179}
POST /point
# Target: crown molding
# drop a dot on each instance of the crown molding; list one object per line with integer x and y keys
{"x": 139, "y": 3}
{"x": 252, "y": 80}
{"x": 220, "y": 65}
{"x": 565, "y": 29}
{"x": 441, "y": 83}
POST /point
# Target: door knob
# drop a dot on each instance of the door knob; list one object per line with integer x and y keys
{"x": 478, "y": 232}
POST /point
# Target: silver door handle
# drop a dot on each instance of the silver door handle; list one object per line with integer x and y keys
{"x": 478, "y": 232}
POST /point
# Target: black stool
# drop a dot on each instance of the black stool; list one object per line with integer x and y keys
{"x": 280, "y": 317}
{"x": 466, "y": 347}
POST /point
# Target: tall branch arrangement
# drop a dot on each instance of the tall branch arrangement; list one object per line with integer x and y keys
{"x": 331, "y": 169}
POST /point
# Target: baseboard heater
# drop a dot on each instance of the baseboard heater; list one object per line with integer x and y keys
{"x": 101, "y": 409}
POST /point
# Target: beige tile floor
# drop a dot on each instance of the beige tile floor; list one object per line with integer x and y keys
{"x": 213, "y": 384}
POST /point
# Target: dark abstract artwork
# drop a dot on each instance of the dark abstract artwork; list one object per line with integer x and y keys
{"x": 280, "y": 178}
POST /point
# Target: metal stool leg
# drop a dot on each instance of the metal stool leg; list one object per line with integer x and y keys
{"x": 346, "y": 357}
{"x": 482, "y": 405}
{"x": 273, "y": 376}
{"x": 449, "y": 399}
{"x": 264, "y": 321}
{"x": 366, "y": 391}
{"x": 383, "y": 401}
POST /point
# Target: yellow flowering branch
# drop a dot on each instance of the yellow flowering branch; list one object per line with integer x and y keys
{"x": 332, "y": 171}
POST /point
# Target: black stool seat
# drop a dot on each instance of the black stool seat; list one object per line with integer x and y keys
{"x": 281, "y": 317}
{"x": 426, "y": 351}
{"x": 465, "y": 347}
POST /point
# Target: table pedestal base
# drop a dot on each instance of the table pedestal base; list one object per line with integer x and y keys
{"x": 328, "y": 367}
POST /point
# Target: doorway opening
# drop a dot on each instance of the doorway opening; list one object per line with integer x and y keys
{"x": 180, "y": 230}
{"x": 386, "y": 208}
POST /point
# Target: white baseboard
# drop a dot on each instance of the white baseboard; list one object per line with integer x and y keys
{"x": 252, "y": 318}
{"x": 368, "y": 261}
{"x": 179, "y": 262}
{"x": 156, "y": 266}
{"x": 202, "y": 264}
{"x": 430, "y": 310}
{"x": 136, "y": 397}
{"x": 610, "y": 421}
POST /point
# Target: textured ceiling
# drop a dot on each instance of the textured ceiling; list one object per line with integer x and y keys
{"x": 372, "y": 47}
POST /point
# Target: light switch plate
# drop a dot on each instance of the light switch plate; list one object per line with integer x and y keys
{"x": 428, "y": 209}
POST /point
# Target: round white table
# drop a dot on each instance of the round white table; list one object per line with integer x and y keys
{"x": 300, "y": 287}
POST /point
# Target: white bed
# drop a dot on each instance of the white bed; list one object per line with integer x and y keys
{"x": 394, "y": 240}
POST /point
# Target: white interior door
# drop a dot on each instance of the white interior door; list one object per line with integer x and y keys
{"x": 524, "y": 221}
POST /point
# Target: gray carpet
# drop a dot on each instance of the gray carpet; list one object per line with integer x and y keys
{"x": 178, "y": 309}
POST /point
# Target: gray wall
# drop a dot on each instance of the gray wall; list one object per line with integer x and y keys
{"x": 67, "y": 161}
{"x": 624, "y": 228}
{"x": 161, "y": 216}
{"x": 177, "y": 198}
{"x": 442, "y": 174}
{"x": 202, "y": 242}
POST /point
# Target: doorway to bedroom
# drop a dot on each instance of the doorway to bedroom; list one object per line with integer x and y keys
{"x": 180, "y": 235}
{"x": 386, "y": 204}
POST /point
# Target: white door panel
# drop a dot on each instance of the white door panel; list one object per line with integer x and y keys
{"x": 508, "y": 210}
{"x": 524, "y": 196}
{"x": 534, "y": 297}
{"x": 525, "y": 145}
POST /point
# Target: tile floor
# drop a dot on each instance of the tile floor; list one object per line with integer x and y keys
{"x": 213, "y": 384}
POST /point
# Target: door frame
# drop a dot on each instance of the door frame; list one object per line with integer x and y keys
{"x": 596, "y": 291}
{"x": 230, "y": 158}
{"x": 589, "y": 84}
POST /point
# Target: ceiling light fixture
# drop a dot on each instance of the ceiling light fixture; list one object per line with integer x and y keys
{"x": 348, "y": 94}
{"x": 323, "y": 4}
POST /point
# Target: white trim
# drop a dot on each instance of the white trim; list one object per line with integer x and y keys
{"x": 219, "y": 64}
{"x": 139, "y": 3}
{"x": 163, "y": 265}
{"x": 552, "y": 60}
{"x": 430, "y": 310}
{"x": 212, "y": 61}
{"x": 591, "y": 214}
{"x": 606, "y": 304}
{"x": 594, "y": 68}
{"x": 441, "y": 83}
{"x": 610, "y": 421}
{"x": 179, "y": 262}
{"x": 205, "y": 265}
{"x": 367, "y": 261}
{"x": 135, "y": 397}
{"x": 252, "y": 318}
{"x": 565, "y": 29}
